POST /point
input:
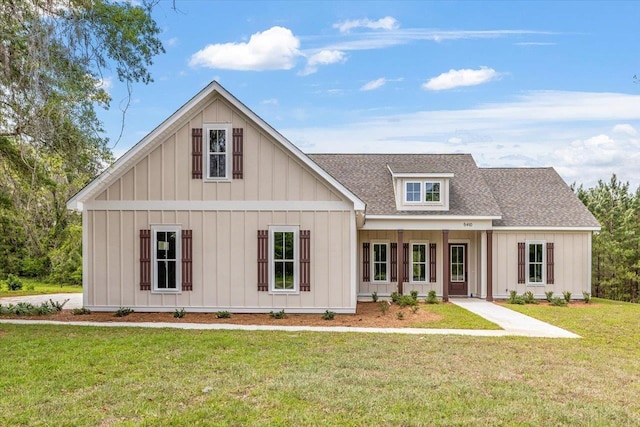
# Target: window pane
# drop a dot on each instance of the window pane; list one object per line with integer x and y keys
{"x": 279, "y": 275}
{"x": 419, "y": 273}
{"x": 277, "y": 245}
{"x": 288, "y": 245}
{"x": 171, "y": 274}
{"x": 161, "y": 245}
{"x": 217, "y": 165}
{"x": 413, "y": 191}
{"x": 380, "y": 271}
{"x": 288, "y": 275}
{"x": 162, "y": 274}
{"x": 217, "y": 141}
{"x": 419, "y": 253}
{"x": 171, "y": 241}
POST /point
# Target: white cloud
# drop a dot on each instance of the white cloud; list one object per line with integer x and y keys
{"x": 324, "y": 57}
{"x": 270, "y": 101}
{"x": 625, "y": 128}
{"x": 273, "y": 49}
{"x": 104, "y": 83}
{"x": 458, "y": 78}
{"x": 374, "y": 84}
{"x": 571, "y": 131}
{"x": 173, "y": 41}
{"x": 386, "y": 23}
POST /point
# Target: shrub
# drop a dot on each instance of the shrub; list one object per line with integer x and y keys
{"x": 374, "y": 296}
{"x": 431, "y": 297}
{"x": 400, "y": 315}
{"x": 34, "y": 267}
{"x": 566, "y": 295}
{"x": 80, "y": 311}
{"x": 586, "y": 296}
{"x": 57, "y": 306}
{"x": 13, "y": 283}
{"x": 414, "y": 309}
{"x": 28, "y": 309}
{"x": 406, "y": 300}
{"x": 514, "y": 298}
{"x": 179, "y": 314}
{"x": 528, "y": 298}
{"x": 224, "y": 315}
{"x": 414, "y": 294}
{"x": 558, "y": 302}
{"x": 30, "y": 287}
{"x": 278, "y": 314}
{"x": 123, "y": 311}
{"x": 328, "y": 315}
{"x": 384, "y": 306}
{"x": 395, "y": 296}
{"x": 549, "y": 295}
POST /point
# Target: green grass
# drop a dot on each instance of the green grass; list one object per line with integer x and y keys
{"x": 454, "y": 317}
{"x": 73, "y": 375}
{"x": 39, "y": 288}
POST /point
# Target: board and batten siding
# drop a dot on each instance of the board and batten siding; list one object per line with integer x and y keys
{"x": 572, "y": 252}
{"x": 277, "y": 188}
{"x": 224, "y": 260}
{"x": 270, "y": 173}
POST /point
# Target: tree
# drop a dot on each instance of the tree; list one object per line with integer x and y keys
{"x": 53, "y": 56}
{"x": 616, "y": 249}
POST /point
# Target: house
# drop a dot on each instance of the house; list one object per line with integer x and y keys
{"x": 215, "y": 210}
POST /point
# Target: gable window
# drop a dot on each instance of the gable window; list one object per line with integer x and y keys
{"x": 166, "y": 256}
{"x": 217, "y": 151}
{"x": 380, "y": 262}
{"x": 431, "y": 191}
{"x": 535, "y": 262}
{"x": 284, "y": 258}
{"x": 419, "y": 262}
{"x": 413, "y": 192}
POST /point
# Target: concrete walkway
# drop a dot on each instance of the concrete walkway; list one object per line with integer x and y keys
{"x": 513, "y": 323}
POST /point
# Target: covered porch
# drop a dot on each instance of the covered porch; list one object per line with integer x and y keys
{"x": 453, "y": 257}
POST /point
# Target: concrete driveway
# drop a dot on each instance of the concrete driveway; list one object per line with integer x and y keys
{"x": 75, "y": 299}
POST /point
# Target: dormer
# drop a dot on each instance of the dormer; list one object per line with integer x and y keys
{"x": 420, "y": 191}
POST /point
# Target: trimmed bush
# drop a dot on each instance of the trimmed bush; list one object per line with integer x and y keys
{"x": 123, "y": 311}
{"x": 224, "y": 315}
{"x": 431, "y": 297}
{"x": 328, "y": 315}
{"x": 13, "y": 283}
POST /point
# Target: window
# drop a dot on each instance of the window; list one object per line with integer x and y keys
{"x": 419, "y": 262}
{"x": 535, "y": 263}
{"x": 380, "y": 262}
{"x": 166, "y": 256}
{"x": 431, "y": 191}
{"x": 413, "y": 192}
{"x": 284, "y": 258}
{"x": 217, "y": 151}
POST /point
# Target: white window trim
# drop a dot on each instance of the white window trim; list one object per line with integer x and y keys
{"x": 426, "y": 276}
{"x": 406, "y": 193}
{"x": 373, "y": 260}
{"x": 205, "y": 150}
{"x": 178, "y": 230}
{"x": 296, "y": 259}
{"x": 544, "y": 262}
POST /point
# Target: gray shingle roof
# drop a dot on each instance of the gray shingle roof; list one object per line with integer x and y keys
{"x": 536, "y": 197}
{"x": 368, "y": 176}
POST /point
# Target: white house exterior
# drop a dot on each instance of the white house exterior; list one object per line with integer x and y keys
{"x": 215, "y": 210}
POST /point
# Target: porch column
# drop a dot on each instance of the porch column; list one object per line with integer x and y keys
{"x": 489, "y": 265}
{"x": 446, "y": 266}
{"x": 400, "y": 265}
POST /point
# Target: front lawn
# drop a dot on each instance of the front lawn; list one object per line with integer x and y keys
{"x": 72, "y": 375}
{"x": 39, "y": 288}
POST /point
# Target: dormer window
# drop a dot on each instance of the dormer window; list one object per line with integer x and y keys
{"x": 413, "y": 193}
{"x": 431, "y": 192}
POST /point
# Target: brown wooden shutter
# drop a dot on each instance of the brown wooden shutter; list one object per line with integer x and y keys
{"x": 187, "y": 257}
{"x": 405, "y": 262}
{"x": 145, "y": 260}
{"x": 394, "y": 262}
{"x": 432, "y": 263}
{"x": 366, "y": 269}
{"x": 237, "y": 153}
{"x": 550, "y": 272}
{"x": 305, "y": 260}
{"x": 196, "y": 153}
{"x": 263, "y": 260}
{"x": 521, "y": 263}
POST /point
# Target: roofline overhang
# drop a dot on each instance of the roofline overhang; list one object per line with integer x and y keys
{"x": 424, "y": 175}
{"x": 76, "y": 201}
{"x": 434, "y": 217}
{"x": 543, "y": 228}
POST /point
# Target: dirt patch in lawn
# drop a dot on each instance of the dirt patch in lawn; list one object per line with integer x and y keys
{"x": 368, "y": 315}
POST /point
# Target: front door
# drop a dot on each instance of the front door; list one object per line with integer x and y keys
{"x": 458, "y": 269}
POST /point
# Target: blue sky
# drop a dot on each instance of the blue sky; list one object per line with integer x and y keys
{"x": 513, "y": 83}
